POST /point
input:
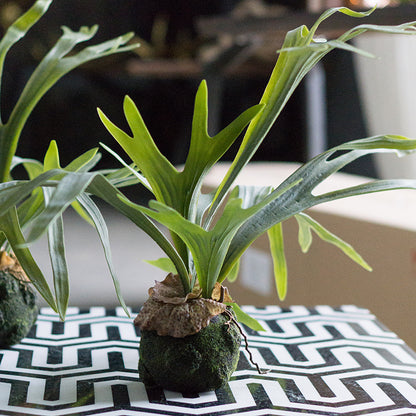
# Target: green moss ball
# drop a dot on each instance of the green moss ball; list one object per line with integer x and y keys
{"x": 18, "y": 309}
{"x": 196, "y": 363}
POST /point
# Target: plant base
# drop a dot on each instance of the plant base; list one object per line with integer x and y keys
{"x": 196, "y": 363}
{"x": 18, "y": 310}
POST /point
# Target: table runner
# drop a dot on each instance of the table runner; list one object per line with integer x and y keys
{"x": 322, "y": 360}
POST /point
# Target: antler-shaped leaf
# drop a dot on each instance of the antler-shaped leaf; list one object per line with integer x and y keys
{"x": 307, "y": 224}
{"x": 19, "y": 28}
{"x": 54, "y": 65}
{"x": 173, "y": 188}
{"x": 208, "y": 248}
{"x": 170, "y": 186}
{"x": 299, "y": 54}
{"x": 77, "y": 185}
{"x": 304, "y": 181}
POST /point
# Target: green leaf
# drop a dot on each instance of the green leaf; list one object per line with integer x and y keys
{"x": 19, "y": 28}
{"x": 254, "y": 199}
{"x": 203, "y": 202}
{"x": 232, "y": 276}
{"x": 299, "y": 54}
{"x": 245, "y": 319}
{"x": 58, "y": 262}
{"x": 12, "y": 193}
{"x": 102, "y": 230}
{"x": 141, "y": 148}
{"x": 134, "y": 172}
{"x": 304, "y": 235}
{"x": 403, "y": 29}
{"x": 2, "y": 239}
{"x": 120, "y": 177}
{"x": 51, "y": 159}
{"x": 299, "y": 195}
{"x": 331, "y": 238}
{"x": 328, "y": 13}
{"x": 33, "y": 167}
{"x": 177, "y": 189}
{"x": 102, "y": 188}
{"x": 80, "y": 164}
{"x": 205, "y": 151}
{"x": 84, "y": 162}
{"x": 67, "y": 190}
{"x": 30, "y": 208}
{"x": 164, "y": 263}
{"x": 208, "y": 247}
{"x": 171, "y": 187}
{"x": 58, "y": 62}
{"x": 76, "y": 185}
{"x": 11, "y": 228}
{"x": 77, "y": 207}
{"x": 277, "y": 251}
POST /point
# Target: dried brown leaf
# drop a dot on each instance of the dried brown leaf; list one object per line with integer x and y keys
{"x": 220, "y": 293}
{"x": 169, "y": 313}
{"x": 9, "y": 263}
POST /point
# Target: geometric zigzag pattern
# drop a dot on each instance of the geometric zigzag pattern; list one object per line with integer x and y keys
{"x": 322, "y": 361}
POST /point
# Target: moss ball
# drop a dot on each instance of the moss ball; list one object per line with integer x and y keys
{"x": 196, "y": 363}
{"x": 18, "y": 309}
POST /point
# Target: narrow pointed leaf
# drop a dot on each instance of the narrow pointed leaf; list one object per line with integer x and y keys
{"x": 304, "y": 235}
{"x": 164, "y": 263}
{"x": 10, "y": 227}
{"x": 15, "y": 192}
{"x": 108, "y": 193}
{"x": 232, "y": 276}
{"x": 277, "y": 251}
{"x": 309, "y": 176}
{"x": 134, "y": 172}
{"x": 298, "y": 56}
{"x": 102, "y": 230}
{"x": 64, "y": 194}
{"x": 58, "y": 262}
{"x": 143, "y": 152}
{"x": 84, "y": 162}
{"x": 331, "y": 238}
{"x": 51, "y": 159}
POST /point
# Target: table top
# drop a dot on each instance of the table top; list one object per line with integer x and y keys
{"x": 322, "y": 360}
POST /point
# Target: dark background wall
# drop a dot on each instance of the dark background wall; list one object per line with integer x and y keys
{"x": 68, "y": 112}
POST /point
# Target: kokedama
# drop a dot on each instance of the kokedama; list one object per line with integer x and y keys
{"x": 189, "y": 323}
{"x": 210, "y": 232}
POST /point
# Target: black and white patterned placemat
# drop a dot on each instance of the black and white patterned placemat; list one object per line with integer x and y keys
{"x": 323, "y": 361}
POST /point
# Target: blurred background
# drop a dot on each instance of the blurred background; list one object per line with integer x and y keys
{"x": 182, "y": 43}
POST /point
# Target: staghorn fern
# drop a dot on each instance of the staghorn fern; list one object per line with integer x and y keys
{"x": 19, "y": 210}
{"x": 206, "y": 245}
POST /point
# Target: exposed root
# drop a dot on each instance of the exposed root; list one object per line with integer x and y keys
{"x": 250, "y": 355}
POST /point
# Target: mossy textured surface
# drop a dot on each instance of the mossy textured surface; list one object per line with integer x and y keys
{"x": 196, "y": 363}
{"x": 18, "y": 309}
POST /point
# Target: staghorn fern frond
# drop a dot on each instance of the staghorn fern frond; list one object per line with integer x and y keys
{"x": 21, "y": 202}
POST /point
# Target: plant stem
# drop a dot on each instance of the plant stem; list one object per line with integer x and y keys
{"x": 6, "y": 155}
